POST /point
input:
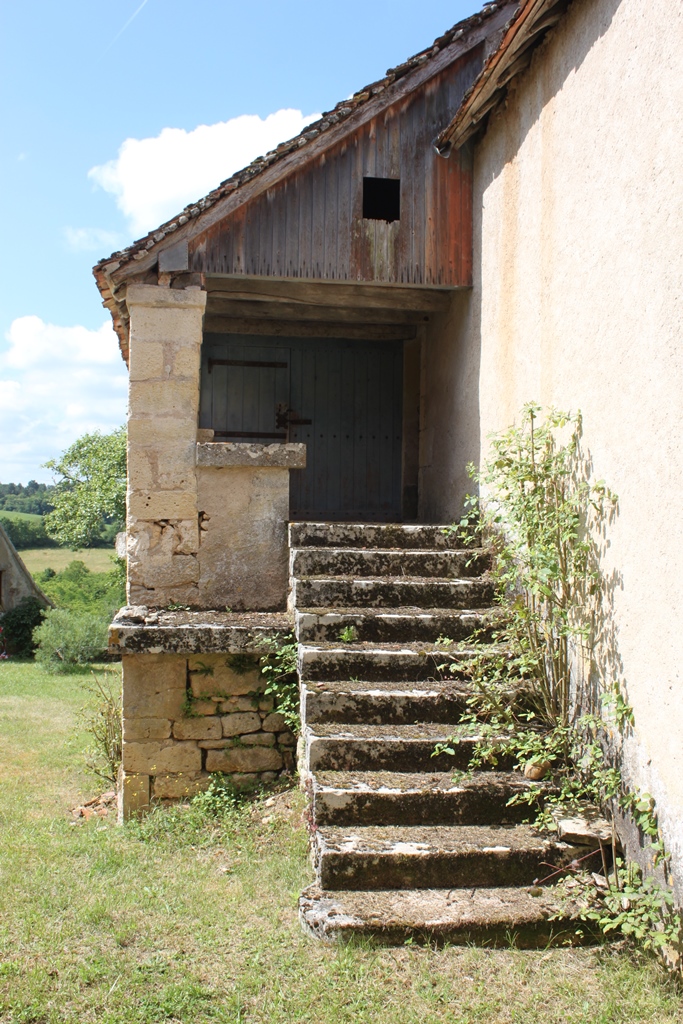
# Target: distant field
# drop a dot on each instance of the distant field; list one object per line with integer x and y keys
{"x": 20, "y": 515}
{"x": 37, "y": 559}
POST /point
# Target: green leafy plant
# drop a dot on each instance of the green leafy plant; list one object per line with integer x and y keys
{"x": 66, "y": 641}
{"x": 534, "y": 511}
{"x": 18, "y": 625}
{"x": 102, "y": 720}
{"x": 537, "y": 511}
{"x": 279, "y": 667}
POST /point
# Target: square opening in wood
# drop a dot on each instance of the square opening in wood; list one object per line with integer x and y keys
{"x": 382, "y": 199}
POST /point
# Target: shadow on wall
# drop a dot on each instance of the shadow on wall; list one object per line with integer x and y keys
{"x": 566, "y": 61}
{"x": 450, "y": 428}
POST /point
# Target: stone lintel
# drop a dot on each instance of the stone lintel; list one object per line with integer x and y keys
{"x": 142, "y": 630}
{"x": 220, "y": 455}
{"x": 154, "y": 295}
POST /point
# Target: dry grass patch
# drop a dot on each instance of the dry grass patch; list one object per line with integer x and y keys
{"x": 188, "y": 918}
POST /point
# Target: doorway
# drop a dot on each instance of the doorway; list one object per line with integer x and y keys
{"x": 342, "y": 398}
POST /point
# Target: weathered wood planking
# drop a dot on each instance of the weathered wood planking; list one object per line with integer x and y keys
{"x": 310, "y": 224}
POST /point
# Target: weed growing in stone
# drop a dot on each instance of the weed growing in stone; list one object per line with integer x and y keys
{"x": 279, "y": 668}
{"x": 102, "y": 721}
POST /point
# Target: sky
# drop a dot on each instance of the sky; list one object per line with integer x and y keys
{"x": 115, "y": 116}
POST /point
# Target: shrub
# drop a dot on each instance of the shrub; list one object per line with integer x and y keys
{"x": 67, "y": 639}
{"x": 26, "y": 533}
{"x": 18, "y": 626}
{"x": 78, "y": 589}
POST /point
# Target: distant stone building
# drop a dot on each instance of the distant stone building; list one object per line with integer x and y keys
{"x": 16, "y": 581}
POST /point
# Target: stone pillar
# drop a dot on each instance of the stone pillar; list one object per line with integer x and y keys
{"x": 162, "y": 521}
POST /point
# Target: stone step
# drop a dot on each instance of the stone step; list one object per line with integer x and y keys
{"x": 424, "y": 798}
{"x": 391, "y": 592}
{"x": 482, "y": 916}
{"x": 397, "y": 662}
{"x": 434, "y": 857}
{"x": 393, "y": 625}
{"x": 384, "y": 703}
{"x": 362, "y": 562}
{"x": 372, "y": 535}
{"x": 390, "y": 748}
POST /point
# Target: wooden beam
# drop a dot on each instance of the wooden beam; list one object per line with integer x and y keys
{"x": 294, "y": 311}
{"x": 308, "y": 329}
{"x": 329, "y": 293}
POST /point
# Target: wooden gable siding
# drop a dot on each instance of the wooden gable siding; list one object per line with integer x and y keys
{"x": 310, "y": 224}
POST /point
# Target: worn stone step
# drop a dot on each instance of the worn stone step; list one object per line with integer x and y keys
{"x": 393, "y": 625}
{"x": 434, "y": 857}
{"x": 391, "y": 748}
{"x": 399, "y": 662}
{"x": 361, "y": 562}
{"x": 419, "y": 798}
{"x": 384, "y": 702}
{"x": 373, "y": 535}
{"x": 482, "y": 916}
{"x": 391, "y": 592}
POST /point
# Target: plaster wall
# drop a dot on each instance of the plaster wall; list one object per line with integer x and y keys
{"x": 578, "y": 303}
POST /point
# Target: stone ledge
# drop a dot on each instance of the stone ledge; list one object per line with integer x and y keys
{"x": 142, "y": 630}
{"x": 224, "y": 454}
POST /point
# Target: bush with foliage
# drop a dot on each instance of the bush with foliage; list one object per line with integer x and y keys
{"x": 538, "y": 511}
{"x": 67, "y": 639}
{"x": 26, "y": 532}
{"x": 78, "y": 589}
{"x": 18, "y": 625}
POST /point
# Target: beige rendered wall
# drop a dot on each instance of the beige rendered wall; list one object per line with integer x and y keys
{"x": 577, "y": 303}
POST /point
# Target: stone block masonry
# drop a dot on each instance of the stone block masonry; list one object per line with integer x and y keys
{"x": 186, "y": 716}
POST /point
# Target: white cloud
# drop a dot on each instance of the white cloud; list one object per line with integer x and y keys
{"x": 154, "y": 178}
{"x": 92, "y": 239}
{"x": 55, "y": 384}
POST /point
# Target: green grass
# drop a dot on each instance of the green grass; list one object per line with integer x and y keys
{"x": 38, "y": 559}
{"x": 26, "y": 516}
{"x": 181, "y": 920}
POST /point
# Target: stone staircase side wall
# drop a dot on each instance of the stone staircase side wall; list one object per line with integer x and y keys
{"x": 185, "y": 717}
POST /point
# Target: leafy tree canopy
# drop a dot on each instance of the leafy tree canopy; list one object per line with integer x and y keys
{"x": 92, "y": 488}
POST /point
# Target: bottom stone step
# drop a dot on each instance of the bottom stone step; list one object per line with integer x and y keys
{"x": 493, "y": 917}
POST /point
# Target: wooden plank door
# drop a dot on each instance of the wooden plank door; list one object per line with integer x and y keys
{"x": 351, "y": 391}
{"x": 342, "y": 399}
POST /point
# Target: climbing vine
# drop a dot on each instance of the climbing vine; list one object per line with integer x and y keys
{"x": 538, "y": 511}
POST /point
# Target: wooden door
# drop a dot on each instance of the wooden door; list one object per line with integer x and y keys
{"x": 342, "y": 399}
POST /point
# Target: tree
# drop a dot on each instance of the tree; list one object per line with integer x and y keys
{"x": 92, "y": 488}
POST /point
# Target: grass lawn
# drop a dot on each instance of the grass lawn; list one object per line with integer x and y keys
{"x": 181, "y": 920}
{"x": 37, "y": 559}
{"x": 26, "y": 516}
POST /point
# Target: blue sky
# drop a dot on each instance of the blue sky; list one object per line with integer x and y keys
{"x": 100, "y": 105}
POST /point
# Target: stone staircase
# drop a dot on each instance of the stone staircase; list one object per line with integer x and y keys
{"x": 399, "y": 848}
